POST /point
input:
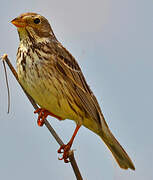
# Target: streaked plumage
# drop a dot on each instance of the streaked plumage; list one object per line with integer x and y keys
{"x": 53, "y": 78}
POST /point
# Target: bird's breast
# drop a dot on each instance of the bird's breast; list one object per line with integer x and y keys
{"x": 44, "y": 84}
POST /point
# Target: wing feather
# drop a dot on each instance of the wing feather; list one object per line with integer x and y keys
{"x": 69, "y": 68}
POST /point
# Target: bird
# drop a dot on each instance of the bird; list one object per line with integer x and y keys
{"x": 52, "y": 77}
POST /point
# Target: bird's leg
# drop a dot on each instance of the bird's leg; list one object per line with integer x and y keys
{"x": 66, "y": 147}
{"x": 43, "y": 113}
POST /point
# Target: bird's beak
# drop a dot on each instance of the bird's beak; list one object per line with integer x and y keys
{"x": 19, "y": 22}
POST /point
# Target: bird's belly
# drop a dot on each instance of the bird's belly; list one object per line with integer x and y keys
{"x": 50, "y": 95}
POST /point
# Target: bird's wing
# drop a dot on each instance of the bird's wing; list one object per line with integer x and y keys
{"x": 67, "y": 65}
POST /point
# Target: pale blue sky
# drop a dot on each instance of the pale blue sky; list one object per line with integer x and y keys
{"x": 113, "y": 43}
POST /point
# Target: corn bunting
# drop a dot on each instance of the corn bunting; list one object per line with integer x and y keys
{"x": 53, "y": 78}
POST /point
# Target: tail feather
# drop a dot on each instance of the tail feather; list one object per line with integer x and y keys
{"x": 118, "y": 152}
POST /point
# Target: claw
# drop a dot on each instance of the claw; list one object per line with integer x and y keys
{"x": 43, "y": 113}
{"x": 65, "y": 160}
{"x": 61, "y": 148}
{"x": 65, "y": 150}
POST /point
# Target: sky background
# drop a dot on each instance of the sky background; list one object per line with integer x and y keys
{"x": 113, "y": 43}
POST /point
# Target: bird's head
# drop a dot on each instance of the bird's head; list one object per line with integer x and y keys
{"x": 34, "y": 25}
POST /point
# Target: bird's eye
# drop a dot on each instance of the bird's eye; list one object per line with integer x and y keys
{"x": 36, "y": 21}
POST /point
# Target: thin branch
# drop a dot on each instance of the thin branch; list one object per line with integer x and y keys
{"x": 47, "y": 124}
{"x": 7, "y": 85}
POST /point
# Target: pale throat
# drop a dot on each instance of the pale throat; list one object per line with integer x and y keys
{"x": 28, "y": 37}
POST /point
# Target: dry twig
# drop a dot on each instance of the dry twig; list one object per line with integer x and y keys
{"x": 47, "y": 124}
{"x": 7, "y": 85}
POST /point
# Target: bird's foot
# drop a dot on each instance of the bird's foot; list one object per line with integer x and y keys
{"x": 65, "y": 149}
{"x": 43, "y": 113}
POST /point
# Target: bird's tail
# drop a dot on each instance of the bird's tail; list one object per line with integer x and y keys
{"x": 118, "y": 152}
